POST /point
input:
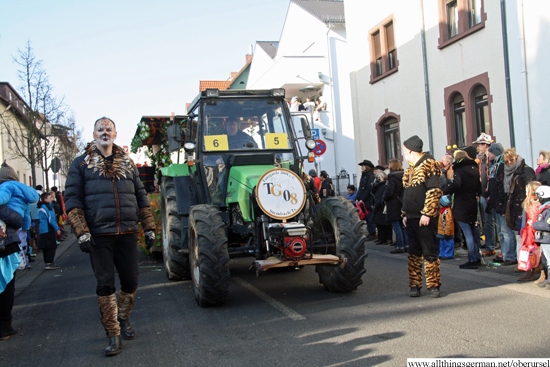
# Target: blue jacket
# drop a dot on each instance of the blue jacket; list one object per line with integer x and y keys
{"x": 17, "y": 197}
{"x": 13, "y": 223}
{"x": 352, "y": 197}
{"x": 46, "y": 215}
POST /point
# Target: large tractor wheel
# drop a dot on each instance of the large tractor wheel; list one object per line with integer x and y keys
{"x": 336, "y": 219}
{"x": 209, "y": 256}
{"x": 176, "y": 263}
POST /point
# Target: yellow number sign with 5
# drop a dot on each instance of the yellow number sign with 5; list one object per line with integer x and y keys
{"x": 276, "y": 141}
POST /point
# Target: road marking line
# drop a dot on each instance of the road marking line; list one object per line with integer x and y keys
{"x": 272, "y": 301}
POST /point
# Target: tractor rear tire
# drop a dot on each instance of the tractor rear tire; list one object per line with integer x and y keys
{"x": 337, "y": 217}
{"x": 209, "y": 255}
{"x": 176, "y": 263}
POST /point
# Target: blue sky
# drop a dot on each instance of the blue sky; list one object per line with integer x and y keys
{"x": 125, "y": 59}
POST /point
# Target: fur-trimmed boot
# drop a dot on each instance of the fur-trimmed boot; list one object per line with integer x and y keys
{"x": 415, "y": 275}
{"x": 433, "y": 278}
{"x": 109, "y": 311}
{"x": 6, "y": 331}
{"x": 125, "y": 304}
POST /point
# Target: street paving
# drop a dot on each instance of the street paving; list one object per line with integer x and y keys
{"x": 282, "y": 318}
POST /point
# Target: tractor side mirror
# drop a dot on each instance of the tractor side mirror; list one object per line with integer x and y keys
{"x": 175, "y": 136}
{"x": 305, "y": 128}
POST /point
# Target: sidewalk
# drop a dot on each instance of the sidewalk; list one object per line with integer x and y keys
{"x": 23, "y": 278}
{"x": 461, "y": 256}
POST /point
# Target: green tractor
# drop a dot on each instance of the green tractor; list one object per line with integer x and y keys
{"x": 239, "y": 192}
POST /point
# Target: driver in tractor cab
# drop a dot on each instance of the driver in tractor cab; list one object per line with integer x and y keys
{"x": 236, "y": 138}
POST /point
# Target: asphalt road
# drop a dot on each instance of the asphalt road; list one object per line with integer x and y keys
{"x": 283, "y": 318}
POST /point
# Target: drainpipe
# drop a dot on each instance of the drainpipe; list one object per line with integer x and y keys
{"x": 426, "y": 85}
{"x": 329, "y": 54}
{"x": 507, "y": 73}
{"x": 526, "y": 86}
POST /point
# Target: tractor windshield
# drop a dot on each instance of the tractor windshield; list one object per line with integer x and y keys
{"x": 231, "y": 125}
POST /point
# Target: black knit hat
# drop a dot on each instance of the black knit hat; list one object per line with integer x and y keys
{"x": 381, "y": 168}
{"x": 414, "y": 143}
{"x": 366, "y": 162}
{"x": 471, "y": 151}
{"x": 7, "y": 173}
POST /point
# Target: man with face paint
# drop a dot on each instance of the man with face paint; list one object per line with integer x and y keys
{"x": 105, "y": 200}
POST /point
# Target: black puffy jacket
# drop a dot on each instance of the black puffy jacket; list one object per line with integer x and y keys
{"x": 13, "y": 223}
{"x": 364, "y": 191}
{"x": 394, "y": 192}
{"x": 378, "y": 190}
{"x": 107, "y": 189}
{"x": 466, "y": 187}
{"x": 544, "y": 176}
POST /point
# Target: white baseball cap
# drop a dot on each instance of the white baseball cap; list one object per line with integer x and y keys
{"x": 543, "y": 192}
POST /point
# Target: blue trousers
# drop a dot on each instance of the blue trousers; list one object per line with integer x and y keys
{"x": 447, "y": 247}
{"x": 471, "y": 235}
{"x": 400, "y": 234}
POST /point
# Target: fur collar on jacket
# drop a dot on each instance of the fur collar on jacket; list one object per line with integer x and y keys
{"x": 122, "y": 165}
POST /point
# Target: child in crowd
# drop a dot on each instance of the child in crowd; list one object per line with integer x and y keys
{"x": 15, "y": 198}
{"x": 48, "y": 229}
{"x": 16, "y": 195}
{"x": 446, "y": 229}
{"x": 352, "y": 193}
{"x": 542, "y": 225}
{"x": 530, "y": 206}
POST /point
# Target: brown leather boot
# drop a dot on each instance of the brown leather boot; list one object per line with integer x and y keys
{"x": 125, "y": 304}
{"x": 528, "y": 276}
{"x": 109, "y": 311}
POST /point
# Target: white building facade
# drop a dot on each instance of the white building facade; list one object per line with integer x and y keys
{"x": 432, "y": 68}
{"x": 528, "y": 31}
{"x": 312, "y": 56}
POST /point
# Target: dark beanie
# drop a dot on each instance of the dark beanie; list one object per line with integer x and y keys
{"x": 7, "y": 173}
{"x": 312, "y": 173}
{"x": 496, "y": 148}
{"x": 471, "y": 151}
{"x": 414, "y": 143}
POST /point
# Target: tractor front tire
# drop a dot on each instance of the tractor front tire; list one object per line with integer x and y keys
{"x": 209, "y": 256}
{"x": 337, "y": 217}
{"x": 176, "y": 262}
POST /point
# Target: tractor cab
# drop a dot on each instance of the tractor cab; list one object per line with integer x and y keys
{"x": 237, "y": 136}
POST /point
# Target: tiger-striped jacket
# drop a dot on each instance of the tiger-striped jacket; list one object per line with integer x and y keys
{"x": 422, "y": 188}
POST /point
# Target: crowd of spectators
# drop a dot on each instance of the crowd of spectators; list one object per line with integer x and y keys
{"x": 488, "y": 200}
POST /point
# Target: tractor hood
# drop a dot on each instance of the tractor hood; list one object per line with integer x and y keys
{"x": 247, "y": 176}
{"x": 242, "y": 180}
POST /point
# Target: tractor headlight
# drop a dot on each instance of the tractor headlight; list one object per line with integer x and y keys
{"x": 213, "y": 93}
{"x": 280, "y": 92}
{"x": 310, "y": 144}
{"x": 189, "y": 147}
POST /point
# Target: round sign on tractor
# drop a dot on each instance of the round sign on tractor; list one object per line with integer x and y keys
{"x": 320, "y": 147}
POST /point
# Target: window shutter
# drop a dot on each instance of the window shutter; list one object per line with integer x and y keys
{"x": 390, "y": 37}
{"x": 377, "y": 48}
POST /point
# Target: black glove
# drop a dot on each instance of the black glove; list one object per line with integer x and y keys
{"x": 86, "y": 242}
{"x": 149, "y": 239}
